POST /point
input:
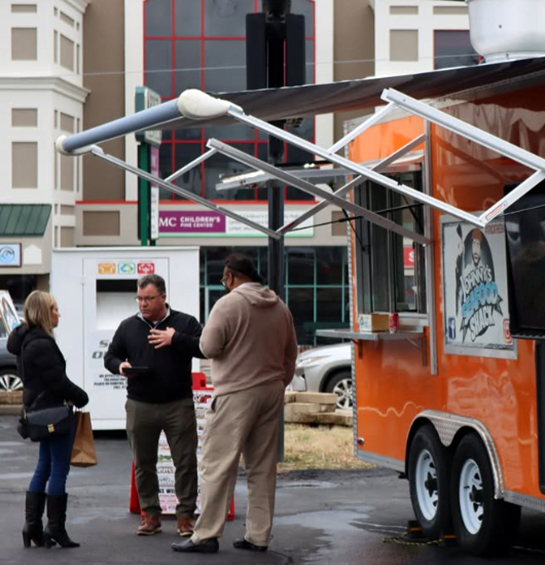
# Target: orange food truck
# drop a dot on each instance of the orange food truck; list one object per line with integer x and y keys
{"x": 454, "y": 400}
{"x": 446, "y": 213}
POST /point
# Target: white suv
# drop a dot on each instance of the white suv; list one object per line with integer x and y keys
{"x": 326, "y": 369}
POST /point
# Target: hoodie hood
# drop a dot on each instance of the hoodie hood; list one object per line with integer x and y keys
{"x": 16, "y": 339}
{"x": 257, "y": 295}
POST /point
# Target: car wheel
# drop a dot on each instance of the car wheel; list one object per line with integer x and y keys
{"x": 483, "y": 525}
{"x": 341, "y": 385}
{"x": 10, "y": 381}
{"x": 429, "y": 482}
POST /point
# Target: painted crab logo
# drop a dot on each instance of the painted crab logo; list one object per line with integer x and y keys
{"x": 478, "y": 290}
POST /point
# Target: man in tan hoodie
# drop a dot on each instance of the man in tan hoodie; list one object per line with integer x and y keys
{"x": 251, "y": 340}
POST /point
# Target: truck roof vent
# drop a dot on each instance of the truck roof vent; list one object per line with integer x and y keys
{"x": 504, "y": 30}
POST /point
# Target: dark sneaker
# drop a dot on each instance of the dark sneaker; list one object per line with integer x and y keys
{"x": 210, "y": 545}
{"x": 245, "y": 544}
{"x": 150, "y": 525}
{"x": 185, "y": 526}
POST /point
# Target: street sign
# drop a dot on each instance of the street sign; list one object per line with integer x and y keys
{"x": 146, "y": 98}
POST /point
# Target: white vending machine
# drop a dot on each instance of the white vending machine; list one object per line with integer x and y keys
{"x": 95, "y": 289}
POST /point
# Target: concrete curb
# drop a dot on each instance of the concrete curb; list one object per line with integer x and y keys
{"x": 10, "y": 409}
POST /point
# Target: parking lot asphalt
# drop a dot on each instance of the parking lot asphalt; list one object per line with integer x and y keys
{"x": 322, "y": 517}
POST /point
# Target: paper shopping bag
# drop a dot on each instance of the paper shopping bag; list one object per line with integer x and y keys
{"x": 83, "y": 451}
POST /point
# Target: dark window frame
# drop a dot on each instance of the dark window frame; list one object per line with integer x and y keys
{"x": 380, "y": 252}
{"x": 198, "y": 136}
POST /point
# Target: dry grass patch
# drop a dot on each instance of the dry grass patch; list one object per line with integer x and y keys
{"x": 321, "y": 447}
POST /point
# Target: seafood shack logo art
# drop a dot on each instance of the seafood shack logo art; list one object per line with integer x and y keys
{"x": 477, "y": 295}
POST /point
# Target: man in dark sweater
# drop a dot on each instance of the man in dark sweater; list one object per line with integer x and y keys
{"x": 149, "y": 350}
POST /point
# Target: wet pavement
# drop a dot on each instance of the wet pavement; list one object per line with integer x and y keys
{"x": 322, "y": 517}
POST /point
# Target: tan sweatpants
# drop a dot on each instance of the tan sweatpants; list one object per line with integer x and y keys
{"x": 246, "y": 423}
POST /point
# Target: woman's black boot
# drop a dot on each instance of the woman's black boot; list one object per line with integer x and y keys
{"x": 55, "y": 529}
{"x": 33, "y": 529}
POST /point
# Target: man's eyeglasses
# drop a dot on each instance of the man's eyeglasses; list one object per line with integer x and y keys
{"x": 224, "y": 279}
{"x": 146, "y": 299}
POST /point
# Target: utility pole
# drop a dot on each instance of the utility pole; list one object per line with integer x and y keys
{"x": 275, "y": 57}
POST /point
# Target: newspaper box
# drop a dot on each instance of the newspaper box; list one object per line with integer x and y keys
{"x": 96, "y": 289}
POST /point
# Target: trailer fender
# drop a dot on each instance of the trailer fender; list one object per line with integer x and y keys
{"x": 450, "y": 428}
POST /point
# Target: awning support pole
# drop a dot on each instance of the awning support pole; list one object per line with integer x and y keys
{"x": 236, "y": 113}
{"x": 311, "y": 189}
{"x": 371, "y": 121}
{"x": 98, "y": 152}
{"x": 189, "y": 166}
{"x": 482, "y": 138}
{"x": 358, "y": 180}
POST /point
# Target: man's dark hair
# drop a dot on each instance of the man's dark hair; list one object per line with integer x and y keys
{"x": 157, "y": 281}
{"x": 240, "y": 264}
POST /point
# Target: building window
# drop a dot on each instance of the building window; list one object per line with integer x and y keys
{"x": 68, "y": 167}
{"x": 24, "y": 44}
{"x": 201, "y": 44}
{"x": 66, "y": 19}
{"x": 24, "y": 164}
{"x": 316, "y": 285}
{"x": 24, "y": 8}
{"x": 67, "y": 53}
{"x": 67, "y": 123}
{"x": 403, "y": 10}
{"x": 391, "y": 267}
{"x": 453, "y": 49}
{"x": 403, "y": 45}
{"x": 24, "y": 117}
{"x": 450, "y": 10}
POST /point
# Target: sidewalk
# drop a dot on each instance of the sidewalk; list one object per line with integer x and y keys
{"x": 315, "y": 514}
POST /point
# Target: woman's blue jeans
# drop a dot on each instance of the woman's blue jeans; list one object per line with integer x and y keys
{"x": 53, "y": 465}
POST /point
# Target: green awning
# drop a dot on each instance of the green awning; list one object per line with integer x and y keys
{"x": 24, "y": 220}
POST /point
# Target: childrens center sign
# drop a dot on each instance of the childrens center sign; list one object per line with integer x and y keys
{"x": 190, "y": 223}
{"x": 476, "y": 312}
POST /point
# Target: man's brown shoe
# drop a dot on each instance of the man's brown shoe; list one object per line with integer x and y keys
{"x": 150, "y": 525}
{"x": 185, "y": 526}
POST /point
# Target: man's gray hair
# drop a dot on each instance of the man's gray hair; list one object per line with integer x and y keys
{"x": 157, "y": 281}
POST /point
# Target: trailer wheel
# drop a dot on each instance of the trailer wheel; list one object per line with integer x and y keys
{"x": 483, "y": 525}
{"x": 429, "y": 482}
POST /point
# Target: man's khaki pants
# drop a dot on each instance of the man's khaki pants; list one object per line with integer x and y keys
{"x": 144, "y": 425}
{"x": 244, "y": 422}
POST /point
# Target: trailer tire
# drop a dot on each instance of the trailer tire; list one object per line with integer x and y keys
{"x": 429, "y": 482}
{"x": 483, "y": 525}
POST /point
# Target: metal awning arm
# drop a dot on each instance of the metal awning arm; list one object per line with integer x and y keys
{"x": 347, "y": 187}
{"x": 237, "y": 113}
{"x": 370, "y": 121}
{"x": 98, "y": 152}
{"x": 288, "y": 178}
{"x": 481, "y": 137}
{"x": 191, "y": 165}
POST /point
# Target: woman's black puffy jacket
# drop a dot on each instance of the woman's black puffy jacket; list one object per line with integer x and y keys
{"x": 42, "y": 368}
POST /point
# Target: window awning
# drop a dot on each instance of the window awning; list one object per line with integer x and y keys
{"x": 258, "y": 108}
{"x": 345, "y": 96}
{"x": 24, "y": 220}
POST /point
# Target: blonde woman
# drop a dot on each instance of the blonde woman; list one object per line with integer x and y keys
{"x": 43, "y": 371}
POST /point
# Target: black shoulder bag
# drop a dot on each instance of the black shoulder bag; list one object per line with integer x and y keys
{"x": 45, "y": 423}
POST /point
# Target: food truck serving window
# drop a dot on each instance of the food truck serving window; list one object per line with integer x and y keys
{"x": 391, "y": 267}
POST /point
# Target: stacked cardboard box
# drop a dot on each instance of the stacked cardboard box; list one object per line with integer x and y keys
{"x": 314, "y": 408}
